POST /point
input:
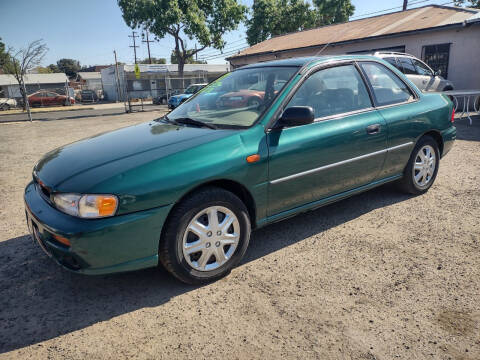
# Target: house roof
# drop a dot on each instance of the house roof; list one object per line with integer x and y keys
{"x": 54, "y": 78}
{"x": 421, "y": 18}
{"x": 92, "y": 75}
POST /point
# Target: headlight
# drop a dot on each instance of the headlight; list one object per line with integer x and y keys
{"x": 86, "y": 206}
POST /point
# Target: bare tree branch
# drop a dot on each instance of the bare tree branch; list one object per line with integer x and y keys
{"x": 23, "y": 60}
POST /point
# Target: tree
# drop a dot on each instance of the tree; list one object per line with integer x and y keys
{"x": 277, "y": 17}
{"x": 22, "y": 60}
{"x": 470, "y": 4}
{"x": 204, "y": 21}
{"x": 4, "y": 57}
{"x": 154, "y": 61}
{"x": 53, "y": 68}
{"x": 69, "y": 67}
{"x": 44, "y": 70}
{"x": 188, "y": 58}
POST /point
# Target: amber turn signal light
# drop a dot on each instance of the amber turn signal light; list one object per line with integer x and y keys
{"x": 253, "y": 158}
{"x": 106, "y": 205}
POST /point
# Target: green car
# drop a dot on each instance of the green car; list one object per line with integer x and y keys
{"x": 186, "y": 190}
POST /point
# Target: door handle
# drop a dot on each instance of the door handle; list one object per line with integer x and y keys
{"x": 373, "y": 129}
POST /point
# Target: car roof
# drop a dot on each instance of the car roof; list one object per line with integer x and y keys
{"x": 312, "y": 60}
{"x": 198, "y": 84}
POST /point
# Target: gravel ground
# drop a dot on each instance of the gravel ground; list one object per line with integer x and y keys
{"x": 378, "y": 276}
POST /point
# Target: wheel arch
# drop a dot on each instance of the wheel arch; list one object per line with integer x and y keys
{"x": 229, "y": 185}
{"x": 437, "y": 137}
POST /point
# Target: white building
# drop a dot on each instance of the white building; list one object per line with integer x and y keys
{"x": 90, "y": 80}
{"x": 33, "y": 82}
{"x": 447, "y": 38}
{"x": 155, "y": 79}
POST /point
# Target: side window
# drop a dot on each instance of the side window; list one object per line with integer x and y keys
{"x": 387, "y": 88}
{"x": 51, "y": 94}
{"x": 408, "y": 67}
{"x": 422, "y": 69}
{"x": 332, "y": 91}
{"x": 392, "y": 61}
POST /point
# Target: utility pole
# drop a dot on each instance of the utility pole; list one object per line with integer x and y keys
{"x": 135, "y": 46}
{"x": 148, "y": 45}
{"x": 405, "y": 3}
{"x": 116, "y": 76}
{"x": 196, "y": 54}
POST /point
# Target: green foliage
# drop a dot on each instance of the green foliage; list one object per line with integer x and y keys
{"x": 4, "y": 57}
{"x": 53, "y": 68}
{"x": 69, "y": 67}
{"x": 188, "y": 56}
{"x": 205, "y": 21}
{"x": 277, "y": 17}
{"x": 470, "y": 3}
{"x": 44, "y": 70}
{"x": 154, "y": 61}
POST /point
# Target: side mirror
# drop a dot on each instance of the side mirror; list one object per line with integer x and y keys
{"x": 296, "y": 116}
{"x": 438, "y": 72}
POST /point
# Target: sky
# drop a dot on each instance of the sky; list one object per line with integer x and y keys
{"x": 89, "y": 30}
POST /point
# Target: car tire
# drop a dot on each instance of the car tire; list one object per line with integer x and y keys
{"x": 219, "y": 249}
{"x": 422, "y": 167}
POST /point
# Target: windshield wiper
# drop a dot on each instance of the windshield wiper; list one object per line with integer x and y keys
{"x": 190, "y": 121}
{"x": 167, "y": 120}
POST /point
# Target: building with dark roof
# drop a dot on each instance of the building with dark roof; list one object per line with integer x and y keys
{"x": 445, "y": 37}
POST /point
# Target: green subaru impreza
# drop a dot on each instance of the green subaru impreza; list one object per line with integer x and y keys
{"x": 262, "y": 143}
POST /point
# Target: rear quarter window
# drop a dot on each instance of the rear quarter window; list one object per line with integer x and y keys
{"x": 388, "y": 88}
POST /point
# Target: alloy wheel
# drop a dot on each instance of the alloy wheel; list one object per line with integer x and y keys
{"x": 424, "y": 166}
{"x": 211, "y": 238}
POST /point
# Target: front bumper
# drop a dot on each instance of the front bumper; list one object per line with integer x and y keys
{"x": 98, "y": 246}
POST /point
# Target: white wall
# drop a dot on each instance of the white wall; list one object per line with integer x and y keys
{"x": 463, "y": 66}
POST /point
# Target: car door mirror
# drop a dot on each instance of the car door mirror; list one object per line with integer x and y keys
{"x": 296, "y": 116}
{"x": 438, "y": 72}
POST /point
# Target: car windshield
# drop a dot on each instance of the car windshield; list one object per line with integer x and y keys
{"x": 236, "y": 99}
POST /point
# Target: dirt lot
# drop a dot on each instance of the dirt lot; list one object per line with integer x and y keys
{"x": 379, "y": 276}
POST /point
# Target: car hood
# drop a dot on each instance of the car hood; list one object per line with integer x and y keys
{"x": 180, "y": 97}
{"x": 79, "y": 166}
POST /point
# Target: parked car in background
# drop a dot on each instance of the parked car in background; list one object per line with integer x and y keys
{"x": 162, "y": 99}
{"x": 176, "y": 100}
{"x": 186, "y": 189}
{"x": 88, "y": 96}
{"x": 7, "y": 104}
{"x": 253, "y": 96}
{"x": 417, "y": 71}
{"x": 49, "y": 98}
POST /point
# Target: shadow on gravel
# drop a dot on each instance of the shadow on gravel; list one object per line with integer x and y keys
{"x": 40, "y": 301}
{"x": 468, "y": 132}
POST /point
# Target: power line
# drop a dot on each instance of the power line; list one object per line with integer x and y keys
{"x": 225, "y": 49}
{"x": 224, "y": 53}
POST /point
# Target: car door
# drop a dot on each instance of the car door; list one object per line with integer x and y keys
{"x": 398, "y": 104}
{"x": 341, "y": 150}
{"x": 429, "y": 80}
{"x": 53, "y": 98}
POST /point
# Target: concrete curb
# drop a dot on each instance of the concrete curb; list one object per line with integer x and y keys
{"x": 44, "y": 111}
